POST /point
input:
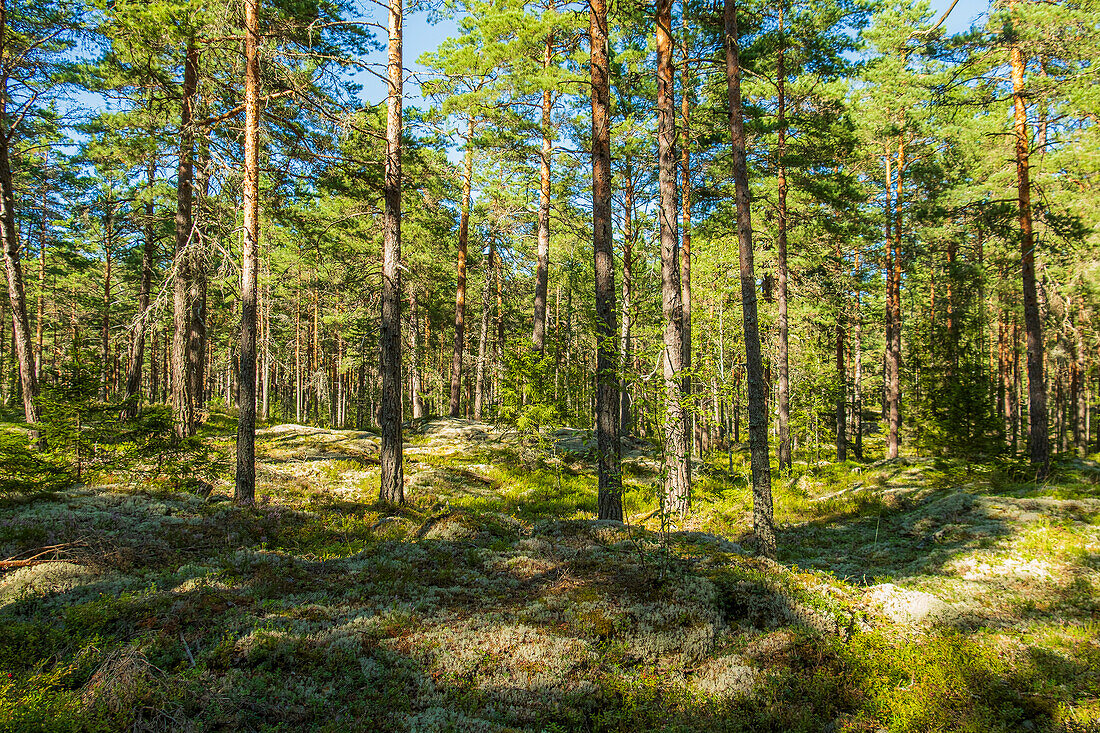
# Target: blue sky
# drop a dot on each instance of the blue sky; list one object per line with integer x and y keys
{"x": 422, "y": 35}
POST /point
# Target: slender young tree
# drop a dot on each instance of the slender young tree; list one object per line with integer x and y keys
{"x": 763, "y": 524}
{"x": 245, "y": 492}
{"x": 392, "y": 485}
{"x": 609, "y": 500}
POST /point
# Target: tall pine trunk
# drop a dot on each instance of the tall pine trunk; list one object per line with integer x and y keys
{"x": 392, "y": 485}
{"x": 182, "y": 403}
{"x": 245, "y": 491}
{"x": 542, "y": 265}
{"x": 763, "y": 524}
{"x": 677, "y": 484}
{"x": 1038, "y": 438}
{"x": 609, "y": 497}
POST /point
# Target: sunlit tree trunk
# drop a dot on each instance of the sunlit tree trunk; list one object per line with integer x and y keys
{"x": 542, "y": 263}
{"x": 677, "y": 486}
{"x": 245, "y": 490}
{"x": 392, "y": 485}
{"x": 1038, "y": 438}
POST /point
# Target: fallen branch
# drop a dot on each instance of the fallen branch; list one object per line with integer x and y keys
{"x": 12, "y": 562}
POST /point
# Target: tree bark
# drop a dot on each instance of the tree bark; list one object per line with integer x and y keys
{"x": 182, "y": 404}
{"x": 677, "y": 484}
{"x": 542, "y": 265}
{"x": 1038, "y": 438}
{"x": 609, "y": 498}
{"x": 763, "y": 524}
{"x": 460, "y": 273}
{"x": 392, "y": 485}
{"x": 245, "y": 490}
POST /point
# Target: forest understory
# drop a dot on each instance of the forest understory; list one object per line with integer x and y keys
{"x": 909, "y": 594}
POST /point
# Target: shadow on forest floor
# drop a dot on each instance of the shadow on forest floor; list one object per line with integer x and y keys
{"x": 910, "y": 595}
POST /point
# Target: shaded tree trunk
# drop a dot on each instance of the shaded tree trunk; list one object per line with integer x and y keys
{"x": 763, "y": 524}
{"x": 609, "y": 498}
{"x": 392, "y": 485}
{"x": 182, "y": 403}
{"x": 245, "y": 489}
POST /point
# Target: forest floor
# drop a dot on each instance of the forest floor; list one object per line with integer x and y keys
{"x": 910, "y": 595}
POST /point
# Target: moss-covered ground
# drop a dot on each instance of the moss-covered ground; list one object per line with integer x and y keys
{"x": 913, "y": 595}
